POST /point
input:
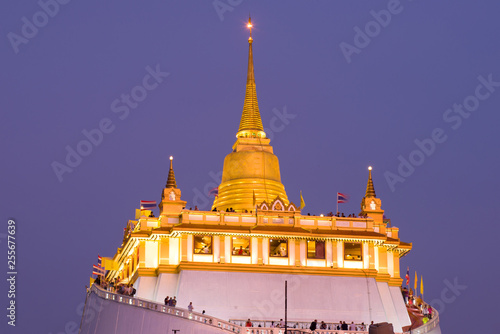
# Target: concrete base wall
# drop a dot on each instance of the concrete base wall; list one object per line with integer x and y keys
{"x": 146, "y": 287}
{"x": 166, "y": 285}
{"x": 238, "y": 295}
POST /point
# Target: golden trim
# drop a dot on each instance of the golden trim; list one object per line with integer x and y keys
{"x": 148, "y": 272}
{"x": 267, "y": 269}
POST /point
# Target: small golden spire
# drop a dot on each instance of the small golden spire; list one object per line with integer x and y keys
{"x": 251, "y": 123}
{"x": 370, "y": 190}
{"x": 171, "y": 176}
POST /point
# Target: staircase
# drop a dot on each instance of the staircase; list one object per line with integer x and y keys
{"x": 106, "y": 313}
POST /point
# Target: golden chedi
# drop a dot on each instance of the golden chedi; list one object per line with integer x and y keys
{"x": 251, "y": 173}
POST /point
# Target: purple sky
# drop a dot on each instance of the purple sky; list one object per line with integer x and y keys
{"x": 342, "y": 117}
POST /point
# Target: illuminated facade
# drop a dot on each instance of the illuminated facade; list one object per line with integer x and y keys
{"x": 231, "y": 263}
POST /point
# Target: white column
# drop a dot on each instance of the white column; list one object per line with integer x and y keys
{"x": 152, "y": 254}
{"x": 390, "y": 263}
{"x": 366, "y": 256}
{"x": 376, "y": 258}
{"x": 340, "y": 254}
{"x": 216, "y": 248}
{"x": 291, "y": 252}
{"x": 265, "y": 250}
{"x": 227, "y": 249}
{"x": 173, "y": 252}
{"x": 254, "y": 250}
{"x": 190, "y": 240}
{"x": 329, "y": 253}
{"x": 303, "y": 252}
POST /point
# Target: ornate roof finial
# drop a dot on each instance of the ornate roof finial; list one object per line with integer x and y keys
{"x": 249, "y": 26}
{"x": 251, "y": 123}
{"x": 370, "y": 190}
{"x": 171, "y": 176}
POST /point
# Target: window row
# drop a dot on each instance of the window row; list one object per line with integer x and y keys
{"x": 240, "y": 246}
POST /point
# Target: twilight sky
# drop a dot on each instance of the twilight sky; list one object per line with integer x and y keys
{"x": 416, "y": 95}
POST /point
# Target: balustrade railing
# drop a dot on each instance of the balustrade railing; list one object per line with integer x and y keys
{"x": 232, "y": 326}
{"x": 262, "y": 330}
{"x": 429, "y": 326}
{"x": 175, "y": 311}
{"x": 268, "y": 330}
{"x": 297, "y": 325}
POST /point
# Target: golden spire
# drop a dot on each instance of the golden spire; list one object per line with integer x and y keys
{"x": 251, "y": 123}
{"x": 171, "y": 176}
{"x": 370, "y": 190}
{"x": 251, "y": 172}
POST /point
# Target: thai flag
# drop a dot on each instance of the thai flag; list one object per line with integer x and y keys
{"x": 98, "y": 270}
{"x": 342, "y": 198}
{"x": 214, "y": 191}
{"x": 99, "y": 261}
{"x": 407, "y": 276}
{"x": 148, "y": 205}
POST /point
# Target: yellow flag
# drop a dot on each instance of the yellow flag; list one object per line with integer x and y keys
{"x": 421, "y": 285}
{"x": 416, "y": 280}
{"x": 137, "y": 213}
{"x": 104, "y": 263}
{"x": 113, "y": 265}
{"x": 302, "y": 203}
{"x": 91, "y": 281}
{"x": 109, "y": 264}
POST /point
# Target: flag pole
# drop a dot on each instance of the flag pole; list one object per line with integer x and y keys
{"x": 255, "y": 205}
{"x": 337, "y": 204}
{"x": 286, "y": 307}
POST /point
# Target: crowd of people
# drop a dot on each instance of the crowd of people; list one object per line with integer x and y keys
{"x": 341, "y": 214}
{"x": 341, "y": 325}
{"x": 231, "y": 210}
{"x": 416, "y": 306}
{"x": 171, "y": 301}
{"x": 115, "y": 286}
{"x": 330, "y": 214}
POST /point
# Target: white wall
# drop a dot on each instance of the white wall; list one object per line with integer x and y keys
{"x": 389, "y": 307}
{"x": 397, "y": 300}
{"x": 239, "y": 295}
{"x": 146, "y": 287}
{"x": 166, "y": 285}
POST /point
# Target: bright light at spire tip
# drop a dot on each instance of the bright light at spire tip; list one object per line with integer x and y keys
{"x": 249, "y": 25}
{"x": 171, "y": 158}
{"x": 369, "y": 167}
